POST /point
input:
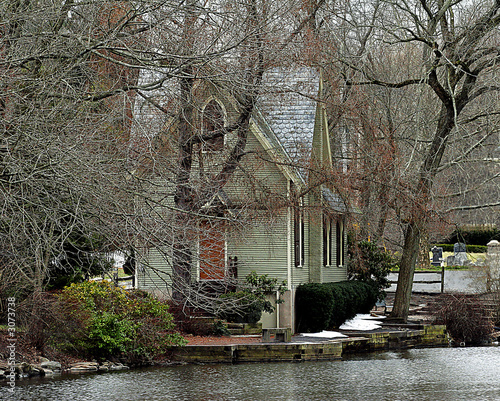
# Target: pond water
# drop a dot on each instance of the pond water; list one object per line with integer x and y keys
{"x": 419, "y": 374}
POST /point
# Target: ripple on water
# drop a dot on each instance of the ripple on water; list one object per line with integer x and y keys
{"x": 445, "y": 374}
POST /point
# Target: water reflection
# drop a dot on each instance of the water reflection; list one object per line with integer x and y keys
{"x": 443, "y": 374}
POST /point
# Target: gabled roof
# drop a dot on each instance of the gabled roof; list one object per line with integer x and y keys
{"x": 286, "y": 115}
{"x": 288, "y": 105}
{"x": 291, "y": 117}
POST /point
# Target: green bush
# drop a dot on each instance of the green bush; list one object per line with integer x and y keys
{"x": 243, "y": 307}
{"x": 113, "y": 322}
{"x": 477, "y": 248}
{"x": 314, "y": 305}
{"x": 469, "y": 248}
{"x": 371, "y": 264}
{"x": 220, "y": 329}
{"x": 109, "y": 333}
{"x": 351, "y": 298}
{"x": 446, "y": 247}
{"x": 328, "y": 305}
{"x": 474, "y": 235}
{"x": 247, "y": 304}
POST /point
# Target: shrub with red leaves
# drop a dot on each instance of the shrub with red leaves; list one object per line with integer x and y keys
{"x": 465, "y": 317}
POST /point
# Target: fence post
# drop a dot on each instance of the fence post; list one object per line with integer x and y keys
{"x": 442, "y": 278}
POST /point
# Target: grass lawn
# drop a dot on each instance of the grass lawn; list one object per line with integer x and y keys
{"x": 473, "y": 257}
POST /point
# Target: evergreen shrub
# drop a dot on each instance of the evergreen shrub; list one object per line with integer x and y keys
{"x": 371, "y": 264}
{"x": 474, "y": 235}
{"x": 314, "y": 307}
{"x": 113, "y": 322}
{"x": 469, "y": 248}
{"x": 327, "y": 306}
{"x": 244, "y": 307}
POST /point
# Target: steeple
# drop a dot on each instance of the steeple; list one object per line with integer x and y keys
{"x": 321, "y": 154}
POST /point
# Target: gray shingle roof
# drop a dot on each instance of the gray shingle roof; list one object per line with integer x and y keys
{"x": 333, "y": 200}
{"x": 289, "y": 106}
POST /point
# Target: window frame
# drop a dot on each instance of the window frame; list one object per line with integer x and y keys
{"x": 327, "y": 240}
{"x": 299, "y": 234}
{"x": 339, "y": 234}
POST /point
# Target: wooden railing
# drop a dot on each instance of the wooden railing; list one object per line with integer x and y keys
{"x": 438, "y": 272}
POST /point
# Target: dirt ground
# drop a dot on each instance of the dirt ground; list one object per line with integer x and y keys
{"x": 208, "y": 340}
{"x": 418, "y": 302}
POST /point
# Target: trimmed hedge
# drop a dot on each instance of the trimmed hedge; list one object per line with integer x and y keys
{"x": 328, "y": 305}
{"x": 469, "y": 248}
{"x": 476, "y": 235}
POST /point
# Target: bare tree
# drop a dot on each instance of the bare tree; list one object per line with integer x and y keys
{"x": 51, "y": 155}
{"x": 106, "y": 132}
{"x": 206, "y": 107}
{"x": 449, "y": 50}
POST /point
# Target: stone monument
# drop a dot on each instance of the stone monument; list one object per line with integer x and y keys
{"x": 493, "y": 265}
{"x": 437, "y": 256}
{"x": 459, "y": 251}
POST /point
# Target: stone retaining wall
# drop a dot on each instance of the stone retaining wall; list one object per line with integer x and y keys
{"x": 429, "y": 336}
{"x": 272, "y": 352}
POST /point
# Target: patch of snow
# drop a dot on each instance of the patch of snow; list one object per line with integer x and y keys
{"x": 362, "y": 323}
{"x": 368, "y": 317}
{"x": 324, "y": 334}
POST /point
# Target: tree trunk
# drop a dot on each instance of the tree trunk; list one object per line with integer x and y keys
{"x": 181, "y": 252}
{"x": 423, "y": 251}
{"x": 401, "y": 305}
{"x": 417, "y": 220}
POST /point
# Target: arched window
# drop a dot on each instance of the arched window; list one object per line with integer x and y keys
{"x": 213, "y": 121}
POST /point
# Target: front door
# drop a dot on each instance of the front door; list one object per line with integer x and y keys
{"x": 212, "y": 253}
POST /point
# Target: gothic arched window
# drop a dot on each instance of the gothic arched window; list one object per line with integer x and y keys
{"x": 213, "y": 121}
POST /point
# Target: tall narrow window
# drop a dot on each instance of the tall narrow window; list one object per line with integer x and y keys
{"x": 327, "y": 240}
{"x": 213, "y": 121}
{"x": 340, "y": 241}
{"x": 298, "y": 233}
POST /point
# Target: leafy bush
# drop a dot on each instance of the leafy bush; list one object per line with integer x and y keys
{"x": 247, "y": 304}
{"x": 113, "y": 321}
{"x": 371, "y": 264}
{"x": 109, "y": 333}
{"x": 329, "y": 305}
{"x": 220, "y": 329}
{"x": 243, "y": 307}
